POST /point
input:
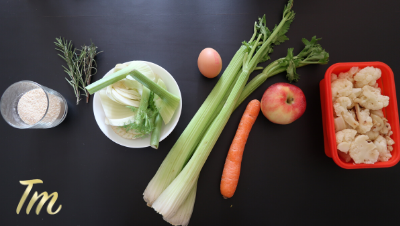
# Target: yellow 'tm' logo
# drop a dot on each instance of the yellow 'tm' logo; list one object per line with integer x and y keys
{"x": 45, "y": 196}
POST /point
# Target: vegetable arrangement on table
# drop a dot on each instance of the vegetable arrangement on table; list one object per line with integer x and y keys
{"x": 137, "y": 103}
{"x": 172, "y": 190}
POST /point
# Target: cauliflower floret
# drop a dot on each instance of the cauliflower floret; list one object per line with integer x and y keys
{"x": 362, "y": 151}
{"x": 346, "y": 135}
{"x": 350, "y": 74}
{"x": 367, "y": 76}
{"x": 371, "y": 98}
{"x": 381, "y": 146}
{"x": 372, "y": 134}
{"x": 356, "y": 92}
{"x": 333, "y": 77}
{"x": 344, "y": 139}
{"x": 341, "y": 88}
{"x": 364, "y": 120}
{"x": 345, "y": 102}
{"x": 341, "y": 106}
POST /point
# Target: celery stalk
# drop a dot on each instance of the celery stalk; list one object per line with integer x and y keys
{"x": 155, "y": 135}
{"x": 144, "y": 103}
{"x": 111, "y": 79}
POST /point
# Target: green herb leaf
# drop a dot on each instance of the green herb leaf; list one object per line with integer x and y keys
{"x": 80, "y": 67}
{"x": 134, "y": 109}
{"x": 292, "y": 63}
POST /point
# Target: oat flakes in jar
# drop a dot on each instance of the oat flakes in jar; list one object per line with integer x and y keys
{"x": 29, "y": 105}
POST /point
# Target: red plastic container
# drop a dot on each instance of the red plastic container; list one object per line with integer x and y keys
{"x": 386, "y": 83}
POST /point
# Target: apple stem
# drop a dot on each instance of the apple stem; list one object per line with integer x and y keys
{"x": 289, "y": 100}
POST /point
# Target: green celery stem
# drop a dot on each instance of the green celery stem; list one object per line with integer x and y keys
{"x": 258, "y": 80}
{"x": 161, "y": 92}
{"x": 108, "y": 80}
{"x": 254, "y": 84}
{"x": 144, "y": 103}
{"x": 155, "y": 135}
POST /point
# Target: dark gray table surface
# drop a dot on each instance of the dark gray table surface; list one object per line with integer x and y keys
{"x": 286, "y": 178}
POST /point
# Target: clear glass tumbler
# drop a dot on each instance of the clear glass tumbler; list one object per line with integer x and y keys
{"x": 29, "y": 105}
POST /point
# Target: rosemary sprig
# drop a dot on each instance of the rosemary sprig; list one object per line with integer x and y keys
{"x": 80, "y": 67}
{"x": 72, "y": 69}
{"x": 89, "y": 64}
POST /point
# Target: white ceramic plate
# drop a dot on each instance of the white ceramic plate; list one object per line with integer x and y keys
{"x": 172, "y": 87}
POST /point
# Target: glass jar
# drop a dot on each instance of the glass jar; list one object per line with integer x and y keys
{"x": 29, "y": 105}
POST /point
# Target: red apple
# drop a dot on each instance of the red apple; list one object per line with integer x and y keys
{"x": 283, "y": 103}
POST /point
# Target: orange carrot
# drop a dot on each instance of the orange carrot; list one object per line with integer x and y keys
{"x": 230, "y": 175}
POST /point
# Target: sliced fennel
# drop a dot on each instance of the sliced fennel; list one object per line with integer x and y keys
{"x": 116, "y": 114}
{"x": 128, "y": 88}
{"x": 130, "y": 94}
{"x": 116, "y": 96}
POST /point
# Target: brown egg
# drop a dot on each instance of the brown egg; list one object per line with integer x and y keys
{"x": 209, "y": 63}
